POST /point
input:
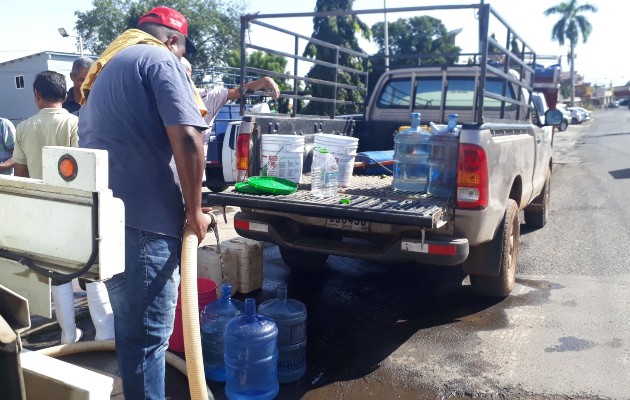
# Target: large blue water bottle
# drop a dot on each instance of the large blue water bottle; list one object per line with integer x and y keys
{"x": 251, "y": 356}
{"x": 290, "y": 317}
{"x": 214, "y": 318}
{"x": 411, "y": 151}
{"x": 443, "y": 160}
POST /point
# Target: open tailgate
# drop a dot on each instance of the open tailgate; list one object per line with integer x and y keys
{"x": 371, "y": 198}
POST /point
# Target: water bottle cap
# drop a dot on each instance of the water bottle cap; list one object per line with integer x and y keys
{"x": 322, "y": 150}
{"x": 226, "y": 290}
{"x": 453, "y": 115}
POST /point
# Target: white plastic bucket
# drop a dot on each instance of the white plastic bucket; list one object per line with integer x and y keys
{"x": 344, "y": 149}
{"x": 282, "y": 156}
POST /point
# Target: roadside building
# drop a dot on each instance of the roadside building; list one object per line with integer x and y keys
{"x": 16, "y": 81}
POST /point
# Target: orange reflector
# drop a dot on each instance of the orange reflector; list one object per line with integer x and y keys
{"x": 468, "y": 179}
{"x": 67, "y": 167}
{"x": 242, "y": 164}
{"x": 442, "y": 249}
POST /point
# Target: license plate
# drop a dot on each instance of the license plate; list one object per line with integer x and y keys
{"x": 348, "y": 224}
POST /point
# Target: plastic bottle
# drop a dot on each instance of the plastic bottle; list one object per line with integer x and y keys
{"x": 214, "y": 318}
{"x": 324, "y": 173}
{"x": 443, "y": 160}
{"x": 251, "y": 356}
{"x": 452, "y": 127}
{"x": 290, "y": 318}
{"x": 411, "y": 151}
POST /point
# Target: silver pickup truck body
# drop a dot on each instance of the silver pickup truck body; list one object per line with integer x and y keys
{"x": 504, "y": 166}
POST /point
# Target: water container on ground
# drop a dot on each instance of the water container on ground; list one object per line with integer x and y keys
{"x": 251, "y": 356}
{"x": 214, "y": 318}
{"x": 290, "y": 318}
{"x": 249, "y": 263}
{"x": 209, "y": 265}
{"x": 206, "y": 293}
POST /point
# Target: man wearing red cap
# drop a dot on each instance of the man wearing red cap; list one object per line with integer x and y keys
{"x": 140, "y": 106}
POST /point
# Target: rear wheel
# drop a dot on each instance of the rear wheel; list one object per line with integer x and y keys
{"x": 303, "y": 260}
{"x": 537, "y": 217}
{"x": 505, "y": 253}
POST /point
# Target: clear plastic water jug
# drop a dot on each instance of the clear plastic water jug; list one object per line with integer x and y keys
{"x": 251, "y": 356}
{"x": 443, "y": 160}
{"x": 290, "y": 318}
{"x": 411, "y": 152}
{"x": 324, "y": 173}
{"x": 214, "y": 318}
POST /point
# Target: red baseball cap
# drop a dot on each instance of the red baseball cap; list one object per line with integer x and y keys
{"x": 172, "y": 19}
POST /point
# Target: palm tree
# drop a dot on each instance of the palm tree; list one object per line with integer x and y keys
{"x": 571, "y": 26}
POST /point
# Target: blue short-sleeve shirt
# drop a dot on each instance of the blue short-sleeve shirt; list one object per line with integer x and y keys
{"x": 139, "y": 92}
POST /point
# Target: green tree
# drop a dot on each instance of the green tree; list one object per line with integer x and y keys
{"x": 213, "y": 25}
{"x": 340, "y": 31}
{"x": 267, "y": 62}
{"x": 261, "y": 60}
{"x": 415, "y": 41}
{"x": 570, "y": 27}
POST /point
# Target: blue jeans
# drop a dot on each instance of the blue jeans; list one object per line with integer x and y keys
{"x": 143, "y": 299}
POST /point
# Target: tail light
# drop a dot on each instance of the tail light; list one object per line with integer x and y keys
{"x": 472, "y": 177}
{"x": 242, "y": 155}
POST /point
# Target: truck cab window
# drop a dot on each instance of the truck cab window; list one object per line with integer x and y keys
{"x": 396, "y": 94}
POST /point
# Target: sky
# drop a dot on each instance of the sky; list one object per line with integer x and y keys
{"x": 33, "y": 24}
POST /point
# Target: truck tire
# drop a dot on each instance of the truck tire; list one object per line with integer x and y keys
{"x": 300, "y": 260}
{"x": 537, "y": 218}
{"x": 506, "y": 242}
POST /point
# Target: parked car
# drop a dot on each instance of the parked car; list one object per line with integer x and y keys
{"x": 577, "y": 117}
{"x": 585, "y": 115}
{"x": 566, "y": 119}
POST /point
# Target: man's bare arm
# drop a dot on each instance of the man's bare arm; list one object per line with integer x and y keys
{"x": 21, "y": 170}
{"x": 188, "y": 153}
{"x": 266, "y": 84}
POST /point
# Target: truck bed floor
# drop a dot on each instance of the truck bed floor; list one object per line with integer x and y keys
{"x": 370, "y": 198}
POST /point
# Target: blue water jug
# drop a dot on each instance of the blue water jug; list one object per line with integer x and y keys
{"x": 214, "y": 318}
{"x": 411, "y": 152}
{"x": 290, "y": 318}
{"x": 251, "y": 356}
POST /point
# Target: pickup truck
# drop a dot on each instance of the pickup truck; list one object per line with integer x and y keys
{"x": 504, "y": 165}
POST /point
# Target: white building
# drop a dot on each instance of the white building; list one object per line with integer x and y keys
{"x": 17, "y": 101}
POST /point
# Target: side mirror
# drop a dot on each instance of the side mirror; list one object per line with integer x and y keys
{"x": 553, "y": 117}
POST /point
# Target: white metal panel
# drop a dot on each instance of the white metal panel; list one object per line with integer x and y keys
{"x": 48, "y": 378}
{"x": 92, "y": 168}
{"x": 34, "y": 287}
{"x": 111, "y": 252}
{"x": 46, "y": 229}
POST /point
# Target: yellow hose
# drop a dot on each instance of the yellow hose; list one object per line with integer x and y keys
{"x": 103, "y": 345}
{"x": 190, "y": 316}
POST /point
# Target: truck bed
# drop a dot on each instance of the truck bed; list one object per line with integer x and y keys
{"x": 371, "y": 198}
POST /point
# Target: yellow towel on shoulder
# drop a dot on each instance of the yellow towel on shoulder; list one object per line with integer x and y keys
{"x": 128, "y": 38}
